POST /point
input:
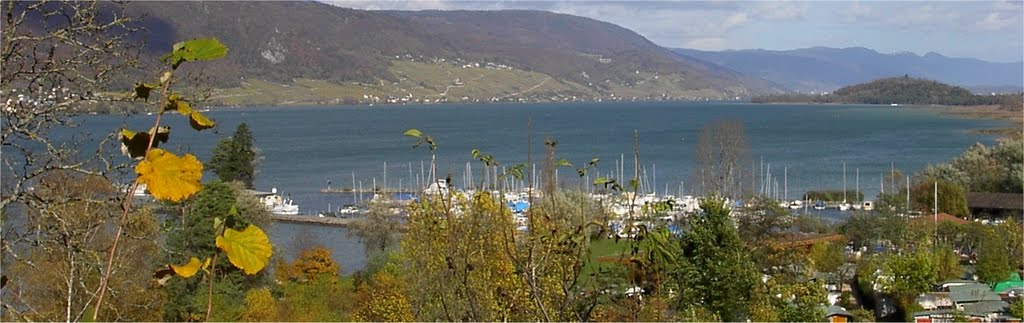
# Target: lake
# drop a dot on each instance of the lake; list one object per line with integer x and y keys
{"x": 303, "y": 148}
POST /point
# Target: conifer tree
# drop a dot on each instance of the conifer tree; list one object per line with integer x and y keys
{"x": 234, "y": 158}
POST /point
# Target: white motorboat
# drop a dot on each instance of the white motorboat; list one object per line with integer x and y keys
{"x": 868, "y": 206}
{"x": 276, "y": 203}
{"x": 796, "y": 204}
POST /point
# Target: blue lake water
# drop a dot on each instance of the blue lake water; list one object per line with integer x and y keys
{"x": 304, "y": 147}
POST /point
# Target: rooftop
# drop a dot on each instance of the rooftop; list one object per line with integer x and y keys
{"x": 1005, "y": 201}
{"x": 971, "y": 293}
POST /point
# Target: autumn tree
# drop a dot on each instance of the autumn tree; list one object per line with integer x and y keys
{"x": 985, "y": 169}
{"x": 947, "y": 263}
{"x": 993, "y": 258}
{"x": 260, "y": 306}
{"x": 722, "y": 153}
{"x": 377, "y": 230}
{"x": 952, "y": 198}
{"x": 57, "y": 58}
{"x": 908, "y": 275}
{"x": 462, "y": 268}
{"x": 52, "y": 277}
{"x": 827, "y": 257}
{"x": 234, "y": 158}
{"x": 313, "y": 264}
{"x": 383, "y": 300}
{"x": 312, "y": 289}
{"x": 1017, "y": 308}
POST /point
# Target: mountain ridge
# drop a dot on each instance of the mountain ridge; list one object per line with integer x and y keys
{"x": 823, "y": 69}
{"x": 281, "y": 42}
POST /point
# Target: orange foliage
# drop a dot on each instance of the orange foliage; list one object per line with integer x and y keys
{"x": 312, "y": 264}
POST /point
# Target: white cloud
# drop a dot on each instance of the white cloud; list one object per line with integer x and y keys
{"x": 994, "y": 21}
{"x": 734, "y": 21}
{"x": 781, "y": 10}
{"x": 927, "y": 17}
{"x": 855, "y": 12}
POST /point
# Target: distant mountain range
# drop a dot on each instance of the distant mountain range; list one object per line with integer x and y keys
{"x": 827, "y": 69}
{"x": 366, "y": 52}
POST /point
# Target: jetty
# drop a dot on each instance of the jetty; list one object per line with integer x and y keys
{"x": 313, "y": 219}
{"x": 348, "y": 190}
{"x": 327, "y": 220}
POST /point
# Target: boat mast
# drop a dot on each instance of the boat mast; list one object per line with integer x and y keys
{"x": 908, "y": 195}
{"x": 844, "y": 182}
{"x": 858, "y": 185}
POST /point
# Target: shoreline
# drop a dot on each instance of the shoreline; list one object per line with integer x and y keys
{"x": 1015, "y": 119}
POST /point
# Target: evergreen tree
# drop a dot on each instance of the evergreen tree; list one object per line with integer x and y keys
{"x": 195, "y": 237}
{"x": 234, "y": 158}
{"x": 719, "y": 274}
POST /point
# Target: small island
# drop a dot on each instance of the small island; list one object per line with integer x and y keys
{"x": 903, "y": 90}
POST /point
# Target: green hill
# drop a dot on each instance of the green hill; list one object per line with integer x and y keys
{"x": 903, "y": 90}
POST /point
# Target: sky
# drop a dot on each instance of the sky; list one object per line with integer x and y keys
{"x": 988, "y": 30}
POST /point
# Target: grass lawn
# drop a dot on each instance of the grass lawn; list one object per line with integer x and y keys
{"x": 604, "y": 248}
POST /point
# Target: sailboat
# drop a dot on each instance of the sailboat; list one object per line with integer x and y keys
{"x": 858, "y": 205}
{"x": 845, "y": 205}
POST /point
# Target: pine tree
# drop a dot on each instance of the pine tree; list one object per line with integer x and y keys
{"x": 234, "y": 157}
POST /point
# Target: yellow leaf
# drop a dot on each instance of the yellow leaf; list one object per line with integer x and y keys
{"x": 174, "y": 102}
{"x": 134, "y": 144}
{"x": 170, "y": 177}
{"x": 248, "y": 249}
{"x": 200, "y": 122}
{"x": 188, "y": 269}
{"x": 166, "y": 76}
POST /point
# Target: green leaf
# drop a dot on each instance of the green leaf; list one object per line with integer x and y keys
{"x": 199, "y": 49}
{"x": 563, "y": 163}
{"x": 516, "y": 171}
{"x": 200, "y": 121}
{"x": 602, "y": 180}
{"x": 217, "y": 222}
{"x": 142, "y": 91}
{"x": 248, "y": 249}
{"x": 133, "y": 144}
{"x": 204, "y": 49}
{"x": 416, "y": 133}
